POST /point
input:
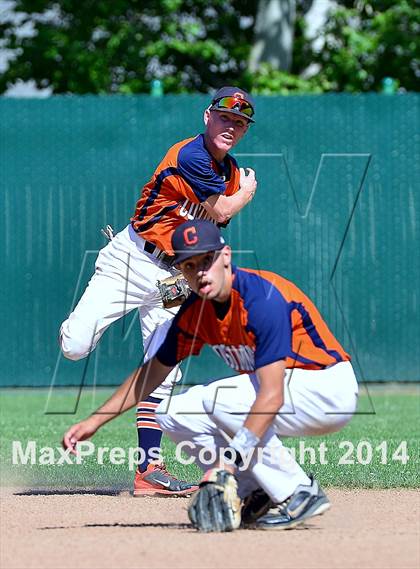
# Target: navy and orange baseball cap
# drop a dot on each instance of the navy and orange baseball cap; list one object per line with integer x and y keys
{"x": 194, "y": 238}
{"x": 234, "y": 100}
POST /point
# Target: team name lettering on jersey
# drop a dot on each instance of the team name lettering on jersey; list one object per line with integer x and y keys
{"x": 269, "y": 319}
{"x": 191, "y": 210}
{"x": 237, "y": 357}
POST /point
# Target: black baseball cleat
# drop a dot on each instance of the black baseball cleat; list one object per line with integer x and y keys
{"x": 304, "y": 503}
{"x": 254, "y": 506}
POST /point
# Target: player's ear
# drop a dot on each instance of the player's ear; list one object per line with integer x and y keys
{"x": 227, "y": 256}
{"x": 206, "y": 115}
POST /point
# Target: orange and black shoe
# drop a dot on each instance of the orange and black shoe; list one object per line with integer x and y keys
{"x": 157, "y": 481}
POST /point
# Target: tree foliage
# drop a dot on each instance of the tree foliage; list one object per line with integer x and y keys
{"x": 119, "y": 46}
{"x": 99, "y": 46}
{"x": 366, "y": 41}
{"x": 362, "y": 42}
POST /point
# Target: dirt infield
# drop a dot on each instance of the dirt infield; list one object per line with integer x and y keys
{"x": 364, "y": 529}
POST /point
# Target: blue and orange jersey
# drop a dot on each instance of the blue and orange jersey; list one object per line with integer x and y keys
{"x": 269, "y": 319}
{"x": 187, "y": 176}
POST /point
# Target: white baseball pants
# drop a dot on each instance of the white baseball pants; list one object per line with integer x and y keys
{"x": 124, "y": 279}
{"x": 207, "y": 416}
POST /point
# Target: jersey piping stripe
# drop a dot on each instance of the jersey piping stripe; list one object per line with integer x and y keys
{"x": 156, "y": 189}
{"x": 156, "y": 218}
{"x": 313, "y": 333}
{"x": 297, "y": 358}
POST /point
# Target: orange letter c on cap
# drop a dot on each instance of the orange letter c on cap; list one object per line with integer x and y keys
{"x": 190, "y": 236}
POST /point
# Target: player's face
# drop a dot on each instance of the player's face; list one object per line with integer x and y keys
{"x": 224, "y": 130}
{"x": 209, "y": 274}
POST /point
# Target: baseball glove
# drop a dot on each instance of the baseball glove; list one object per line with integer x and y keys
{"x": 173, "y": 290}
{"x": 254, "y": 506}
{"x": 216, "y": 506}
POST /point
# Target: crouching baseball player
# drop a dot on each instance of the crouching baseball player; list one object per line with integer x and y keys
{"x": 295, "y": 380}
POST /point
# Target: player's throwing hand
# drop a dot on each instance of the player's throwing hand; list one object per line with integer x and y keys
{"x": 248, "y": 183}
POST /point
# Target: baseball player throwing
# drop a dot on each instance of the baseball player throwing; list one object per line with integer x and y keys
{"x": 295, "y": 379}
{"x": 196, "y": 179}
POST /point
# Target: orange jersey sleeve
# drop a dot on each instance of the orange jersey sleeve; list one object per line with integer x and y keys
{"x": 269, "y": 319}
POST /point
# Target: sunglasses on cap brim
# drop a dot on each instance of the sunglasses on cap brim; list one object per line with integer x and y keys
{"x": 233, "y": 104}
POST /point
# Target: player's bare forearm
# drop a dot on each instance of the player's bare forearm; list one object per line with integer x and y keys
{"x": 262, "y": 414}
{"x": 222, "y": 207}
{"x": 270, "y": 398}
{"x": 137, "y": 386}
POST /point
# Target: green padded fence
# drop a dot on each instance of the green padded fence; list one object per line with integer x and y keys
{"x": 336, "y": 211}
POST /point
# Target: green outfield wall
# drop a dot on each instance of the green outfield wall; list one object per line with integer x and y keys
{"x": 336, "y": 211}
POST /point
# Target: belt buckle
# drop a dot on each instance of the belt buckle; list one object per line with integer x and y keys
{"x": 159, "y": 254}
{"x": 150, "y": 248}
{"x": 164, "y": 258}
